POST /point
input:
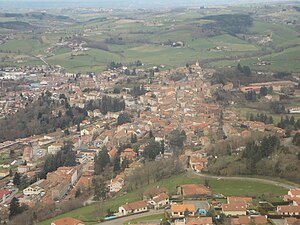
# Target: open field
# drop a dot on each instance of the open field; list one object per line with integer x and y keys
{"x": 143, "y": 36}
{"x": 226, "y": 187}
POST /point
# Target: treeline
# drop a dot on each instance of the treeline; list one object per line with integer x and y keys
{"x": 289, "y": 123}
{"x": 230, "y": 23}
{"x": 39, "y": 118}
{"x": 261, "y": 117}
{"x": 106, "y": 104}
{"x": 266, "y": 157}
{"x": 255, "y": 152}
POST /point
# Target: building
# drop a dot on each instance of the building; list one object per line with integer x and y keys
{"x": 244, "y": 220}
{"x": 288, "y": 210}
{"x": 54, "y": 148}
{"x": 193, "y": 191}
{"x": 234, "y": 209}
{"x": 159, "y": 201}
{"x": 291, "y": 221}
{"x": 4, "y": 193}
{"x": 182, "y": 210}
{"x": 116, "y": 184}
{"x": 35, "y": 189}
{"x": 67, "y": 221}
{"x": 199, "y": 221}
{"x": 132, "y": 208}
{"x": 27, "y": 154}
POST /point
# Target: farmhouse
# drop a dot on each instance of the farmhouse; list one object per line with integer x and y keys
{"x": 193, "y": 191}
{"x": 132, "y": 208}
{"x": 159, "y": 201}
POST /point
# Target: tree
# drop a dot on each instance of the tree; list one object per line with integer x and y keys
{"x": 117, "y": 166}
{"x": 123, "y": 118}
{"x": 15, "y": 208}
{"x": 125, "y": 163}
{"x": 100, "y": 190}
{"x": 263, "y": 91}
{"x": 152, "y": 150}
{"x": 296, "y": 139}
{"x": 177, "y": 138}
{"x": 77, "y": 193}
{"x": 17, "y": 179}
{"x": 102, "y": 159}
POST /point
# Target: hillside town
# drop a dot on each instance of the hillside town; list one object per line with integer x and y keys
{"x": 178, "y": 102}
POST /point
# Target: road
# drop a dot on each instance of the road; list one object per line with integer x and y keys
{"x": 261, "y": 180}
{"x": 122, "y": 220}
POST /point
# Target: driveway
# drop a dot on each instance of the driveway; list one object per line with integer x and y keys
{"x": 122, "y": 220}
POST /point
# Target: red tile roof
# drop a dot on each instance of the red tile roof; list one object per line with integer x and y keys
{"x": 134, "y": 205}
{"x": 67, "y": 221}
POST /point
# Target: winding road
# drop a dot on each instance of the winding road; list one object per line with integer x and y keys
{"x": 136, "y": 216}
{"x": 261, "y": 180}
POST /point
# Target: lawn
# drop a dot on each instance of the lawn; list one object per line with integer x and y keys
{"x": 226, "y": 187}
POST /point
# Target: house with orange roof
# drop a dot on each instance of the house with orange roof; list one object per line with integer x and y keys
{"x": 116, "y": 184}
{"x": 198, "y": 163}
{"x": 129, "y": 154}
{"x": 288, "y": 210}
{"x": 193, "y": 191}
{"x": 182, "y": 210}
{"x": 291, "y": 221}
{"x": 133, "y": 207}
{"x": 234, "y": 209}
{"x": 159, "y": 201}
{"x": 199, "y": 221}
{"x": 67, "y": 221}
{"x": 238, "y": 199}
{"x": 245, "y": 220}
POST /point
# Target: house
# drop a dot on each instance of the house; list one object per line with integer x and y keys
{"x": 294, "y": 193}
{"x": 67, "y": 221}
{"x": 291, "y": 221}
{"x": 199, "y": 221}
{"x": 237, "y": 199}
{"x": 27, "y": 154}
{"x": 182, "y": 210}
{"x": 234, "y": 209}
{"x": 4, "y": 193}
{"x": 4, "y": 173}
{"x": 244, "y": 220}
{"x": 193, "y": 191}
{"x": 54, "y": 148}
{"x": 23, "y": 169}
{"x": 34, "y": 189}
{"x": 152, "y": 192}
{"x": 129, "y": 154}
{"x": 198, "y": 164}
{"x": 287, "y": 210}
{"x": 116, "y": 184}
{"x": 159, "y": 201}
{"x": 132, "y": 208}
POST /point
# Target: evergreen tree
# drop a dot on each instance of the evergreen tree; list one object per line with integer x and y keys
{"x": 17, "y": 179}
{"x": 102, "y": 159}
{"x": 117, "y": 166}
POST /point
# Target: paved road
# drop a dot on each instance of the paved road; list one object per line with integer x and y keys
{"x": 122, "y": 220}
{"x": 261, "y": 180}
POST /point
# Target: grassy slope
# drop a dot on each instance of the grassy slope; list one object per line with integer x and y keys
{"x": 226, "y": 187}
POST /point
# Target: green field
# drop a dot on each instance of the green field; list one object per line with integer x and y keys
{"x": 142, "y": 36}
{"x": 226, "y": 187}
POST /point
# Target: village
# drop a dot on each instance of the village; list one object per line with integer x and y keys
{"x": 165, "y": 105}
